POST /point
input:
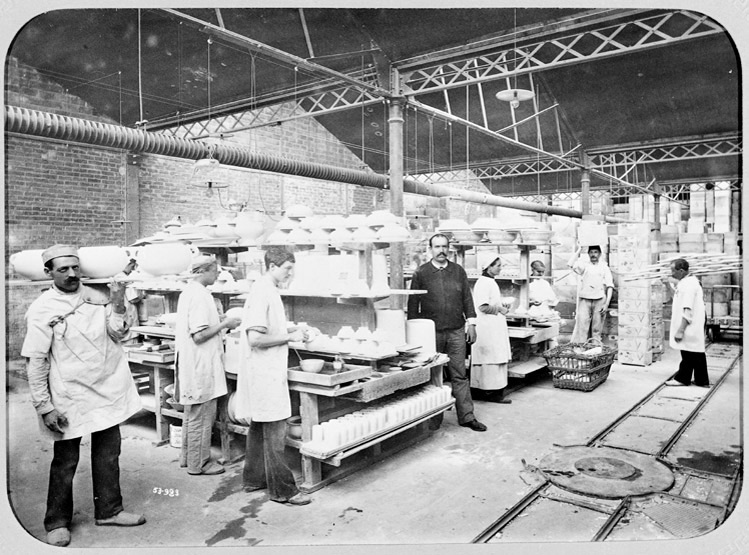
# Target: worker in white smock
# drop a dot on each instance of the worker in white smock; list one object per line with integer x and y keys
{"x": 540, "y": 292}
{"x": 594, "y": 290}
{"x": 262, "y": 384}
{"x": 491, "y": 353}
{"x": 80, "y": 384}
{"x": 687, "y": 331}
{"x": 200, "y": 378}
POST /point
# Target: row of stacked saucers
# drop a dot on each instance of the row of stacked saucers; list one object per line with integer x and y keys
{"x": 300, "y": 226}
{"x": 494, "y": 230}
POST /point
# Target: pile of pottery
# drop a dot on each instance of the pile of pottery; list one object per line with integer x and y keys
{"x": 244, "y": 229}
{"x": 321, "y": 273}
{"x": 95, "y": 262}
{"x": 376, "y": 418}
{"x": 300, "y": 226}
{"x": 503, "y": 231}
{"x": 361, "y": 342}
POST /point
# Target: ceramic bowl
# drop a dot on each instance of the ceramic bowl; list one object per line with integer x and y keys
{"x": 393, "y": 233}
{"x": 169, "y": 319}
{"x": 160, "y": 259}
{"x": 346, "y": 332}
{"x": 313, "y": 365}
{"x": 250, "y": 225}
{"x": 278, "y": 237}
{"x": 28, "y": 264}
{"x": 364, "y": 235}
{"x": 332, "y": 221}
{"x": 298, "y": 211}
{"x": 465, "y": 235}
{"x": 294, "y": 427}
{"x": 501, "y": 236}
{"x": 102, "y": 262}
{"x": 341, "y": 235}
{"x": 175, "y": 405}
{"x": 300, "y": 236}
{"x": 355, "y": 221}
{"x": 535, "y": 235}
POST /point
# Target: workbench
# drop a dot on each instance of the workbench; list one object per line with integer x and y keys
{"x": 347, "y": 391}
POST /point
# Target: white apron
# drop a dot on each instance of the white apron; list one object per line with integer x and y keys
{"x": 89, "y": 376}
{"x": 491, "y": 352}
{"x": 200, "y": 367}
{"x": 262, "y": 382}
{"x": 688, "y": 294}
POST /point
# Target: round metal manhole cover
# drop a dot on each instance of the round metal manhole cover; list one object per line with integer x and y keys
{"x": 606, "y": 467}
{"x": 605, "y": 472}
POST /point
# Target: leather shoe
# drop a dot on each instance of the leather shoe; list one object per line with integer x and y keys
{"x": 122, "y": 519}
{"x": 674, "y": 383}
{"x": 210, "y": 470}
{"x": 299, "y": 499}
{"x": 707, "y": 385}
{"x": 59, "y": 537}
{"x": 475, "y": 425}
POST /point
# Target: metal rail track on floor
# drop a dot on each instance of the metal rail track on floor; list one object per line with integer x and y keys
{"x": 676, "y": 514}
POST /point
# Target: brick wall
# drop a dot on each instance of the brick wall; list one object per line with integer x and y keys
{"x": 62, "y": 192}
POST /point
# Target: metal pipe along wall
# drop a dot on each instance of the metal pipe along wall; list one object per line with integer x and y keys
{"x": 65, "y": 128}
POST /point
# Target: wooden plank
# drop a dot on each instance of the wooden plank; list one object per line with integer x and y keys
{"x": 334, "y": 457}
{"x": 335, "y": 391}
{"x": 516, "y": 332}
{"x": 337, "y": 473}
{"x": 391, "y": 382}
{"x": 544, "y": 333}
{"x": 328, "y": 376}
{"x": 522, "y": 369}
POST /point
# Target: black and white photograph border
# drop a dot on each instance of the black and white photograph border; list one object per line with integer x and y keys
{"x": 455, "y": 491}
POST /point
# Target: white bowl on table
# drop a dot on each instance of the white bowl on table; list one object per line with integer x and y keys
{"x": 312, "y": 365}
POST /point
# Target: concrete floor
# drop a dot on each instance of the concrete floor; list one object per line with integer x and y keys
{"x": 435, "y": 496}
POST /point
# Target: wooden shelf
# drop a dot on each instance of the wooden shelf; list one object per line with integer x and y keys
{"x": 522, "y": 369}
{"x": 335, "y": 457}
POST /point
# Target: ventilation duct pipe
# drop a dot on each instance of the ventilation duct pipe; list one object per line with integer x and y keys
{"x": 64, "y": 128}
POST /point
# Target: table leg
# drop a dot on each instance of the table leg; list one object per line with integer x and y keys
{"x": 162, "y": 425}
{"x": 309, "y": 411}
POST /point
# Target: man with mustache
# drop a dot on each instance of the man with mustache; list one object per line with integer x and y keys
{"x": 594, "y": 291}
{"x": 80, "y": 384}
{"x": 449, "y": 303}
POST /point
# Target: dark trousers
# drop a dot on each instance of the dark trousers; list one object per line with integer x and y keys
{"x": 692, "y": 362}
{"x": 105, "y": 474}
{"x": 453, "y": 344}
{"x": 265, "y": 460}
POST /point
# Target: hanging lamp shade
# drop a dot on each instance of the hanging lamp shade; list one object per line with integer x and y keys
{"x": 515, "y": 95}
{"x": 205, "y": 173}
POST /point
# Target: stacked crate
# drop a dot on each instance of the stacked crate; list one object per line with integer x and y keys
{"x": 640, "y": 301}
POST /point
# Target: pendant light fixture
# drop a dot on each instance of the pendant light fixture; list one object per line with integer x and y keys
{"x": 512, "y": 93}
{"x": 205, "y": 171}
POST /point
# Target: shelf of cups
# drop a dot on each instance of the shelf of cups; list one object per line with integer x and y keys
{"x": 377, "y": 295}
{"x": 334, "y": 456}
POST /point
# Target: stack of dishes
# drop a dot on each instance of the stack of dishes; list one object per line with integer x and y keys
{"x": 393, "y": 233}
{"x": 492, "y": 230}
{"x": 535, "y": 236}
{"x": 458, "y": 230}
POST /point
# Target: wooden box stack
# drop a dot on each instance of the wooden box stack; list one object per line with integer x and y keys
{"x": 640, "y": 301}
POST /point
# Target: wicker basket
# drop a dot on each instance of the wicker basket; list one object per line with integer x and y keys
{"x": 571, "y": 370}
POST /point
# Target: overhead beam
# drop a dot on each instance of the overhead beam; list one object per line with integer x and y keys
{"x": 568, "y": 161}
{"x": 644, "y": 33}
{"x": 275, "y": 53}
